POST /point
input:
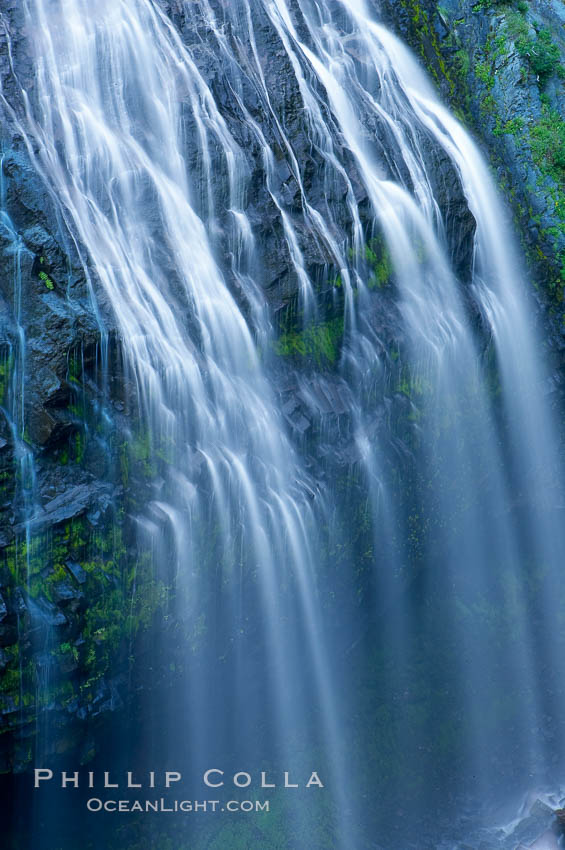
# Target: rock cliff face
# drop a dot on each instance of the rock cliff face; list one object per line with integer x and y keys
{"x": 74, "y": 461}
{"x": 66, "y": 413}
{"x": 501, "y": 66}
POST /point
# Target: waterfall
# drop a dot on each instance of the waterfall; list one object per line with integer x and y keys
{"x": 353, "y": 485}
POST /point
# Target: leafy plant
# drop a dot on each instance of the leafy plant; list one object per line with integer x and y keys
{"x": 46, "y": 280}
{"x": 548, "y": 143}
{"x": 542, "y": 53}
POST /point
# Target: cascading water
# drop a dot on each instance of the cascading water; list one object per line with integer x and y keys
{"x": 13, "y": 370}
{"x": 363, "y": 559}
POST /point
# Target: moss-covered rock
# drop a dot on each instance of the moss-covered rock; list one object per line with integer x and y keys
{"x": 76, "y": 603}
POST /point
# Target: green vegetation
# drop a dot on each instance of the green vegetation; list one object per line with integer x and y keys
{"x": 548, "y": 143}
{"x": 538, "y": 49}
{"x": 46, "y": 280}
{"x": 140, "y": 452}
{"x": 426, "y": 39}
{"x": 379, "y": 260}
{"x": 123, "y": 596}
{"x": 411, "y": 384}
{"x": 543, "y": 139}
{"x": 319, "y": 342}
{"x": 516, "y": 26}
{"x": 74, "y": 367}
{"x": 483, "y": 72}
{"x": 542, "y": 53}
{"x": 481, "y": 5}
{"x": 463, "y": 62}
{"x": 44, "y": 276}
{"x": 10, "y": 681}
{"x": 6, "y": 369}
{"x": 144, "y": 454}
{"x": 511, "y": 127}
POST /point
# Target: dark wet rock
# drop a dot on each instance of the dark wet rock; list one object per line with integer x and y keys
{"x": 540, "y": 821}
{"x": 44, "y": 428}
{"x": 294, "y": 415}
{"x": 94, "y": 517}
{"x": 76, "y": 571}
{"x": 46, "y": 612}
{"x": 106, "y": 698}
{"x": 20, "y": 605}
{"x": 541, "y": 810}
{"x": 55, "y": 391}
{"x": 60, "y": 323}
{"x": 8, "y": 635}
{"x": 64, "y": 592}
{"x": 7, "y": 706}
{"x": 473, "y": 58}
{"x": 73, "y": 503}
{"x": 77, "y": 470}
{"x": 326, "y": 396}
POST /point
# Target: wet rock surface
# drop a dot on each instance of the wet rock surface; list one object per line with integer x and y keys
{"x": 83, "y": 484}
{"x": 482, "y": 57}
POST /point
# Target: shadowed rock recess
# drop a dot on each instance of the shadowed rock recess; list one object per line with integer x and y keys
{"x": 281, "y": 415}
